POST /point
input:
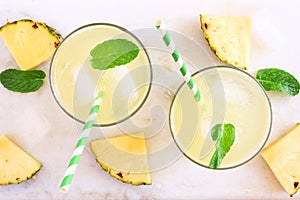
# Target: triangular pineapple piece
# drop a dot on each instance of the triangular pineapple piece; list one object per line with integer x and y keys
{"x": 283, "y": 157}
{"x": 15, "y": 164}
{"x": 30, "y": 43}
{"x": 229, "y": 37}
{"x": 123, "y": 157}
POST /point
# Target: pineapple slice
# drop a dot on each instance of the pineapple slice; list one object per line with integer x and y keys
{"x": 283, "y": 157}
{"x": 123, "y": 157}
{"x": 15, "y": 165}
{"x": 30, "y": 43}
{"x": 229, "y": 37}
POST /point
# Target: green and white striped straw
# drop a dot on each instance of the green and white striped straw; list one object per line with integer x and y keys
{"x": 66, "y": 182}
{"x": 177, "y": 58}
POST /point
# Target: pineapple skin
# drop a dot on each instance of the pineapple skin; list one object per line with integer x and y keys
{"x": 121, "y": 174}
{"x": 52, "y": 30}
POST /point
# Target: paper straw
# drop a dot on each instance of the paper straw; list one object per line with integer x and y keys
{"x": 66, "y": 182}
{"x": 177, "y": 58}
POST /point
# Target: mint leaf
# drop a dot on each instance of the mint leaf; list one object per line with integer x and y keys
{"x": 22, "y": 81}
{"x": 224, "y": 135}
{"x": 278, "y": 80}
{"x": 112, "y": 53}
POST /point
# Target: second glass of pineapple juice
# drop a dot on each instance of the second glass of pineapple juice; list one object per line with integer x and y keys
{"x": 230, "y": 95}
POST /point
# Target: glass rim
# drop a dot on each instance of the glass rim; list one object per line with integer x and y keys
{"x": 269, "y": 128}
{"x": 54, "y": 92}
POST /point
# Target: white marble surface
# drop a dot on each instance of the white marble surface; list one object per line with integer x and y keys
{"x": 37, "y": 124}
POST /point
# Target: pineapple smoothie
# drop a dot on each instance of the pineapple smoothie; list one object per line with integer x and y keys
{"x": 231, "y": 96}
{"x": 75, "y": 83}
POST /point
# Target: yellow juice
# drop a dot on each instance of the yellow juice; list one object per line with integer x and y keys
{"x": 75, "y": 83}
{"x": 229, "y": 96}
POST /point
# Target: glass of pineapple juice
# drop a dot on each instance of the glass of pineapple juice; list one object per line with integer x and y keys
{"x": 230, "y": 95}
{"x": 74, "y": 83}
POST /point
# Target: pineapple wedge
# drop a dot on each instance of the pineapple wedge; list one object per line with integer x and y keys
{"x": 229, "y": 37}
{"x": 15, "y": 164}
{"x": 123, "y": 157}
{"x": 30, "y": 43}
{"x": 283, "y": 157}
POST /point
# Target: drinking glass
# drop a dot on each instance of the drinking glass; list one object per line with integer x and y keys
{"x": 74, "y": 83}
{"x": 229, "y": 95}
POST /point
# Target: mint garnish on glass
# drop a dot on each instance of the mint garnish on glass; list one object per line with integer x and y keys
{"x": 112, "y": 53}
{"x": 273, "y": 79}
{"x": 224, "y": 135}
{"x": 22, "y": 81}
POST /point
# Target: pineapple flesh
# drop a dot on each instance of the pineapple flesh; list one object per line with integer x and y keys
{"x": 15, "y": 164}
{"x": 229, "y": 38}
{"x": 30, "y": 43}
{"x": 123, "y": 157}
{"x": 283, "y": 158}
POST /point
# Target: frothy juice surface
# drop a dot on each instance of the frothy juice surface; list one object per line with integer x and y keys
{"x": 75, "y": 83}
{"x": 229, "y": 96}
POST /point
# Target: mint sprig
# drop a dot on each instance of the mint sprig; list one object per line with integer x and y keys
{"x": 112, "y": 53}
{"x": 273, "y": 79}
{"x": 224, "y": 135}
{"x": 22, "y": 81}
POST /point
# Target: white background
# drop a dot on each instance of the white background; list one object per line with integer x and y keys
{"x": 37, "y": 124}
